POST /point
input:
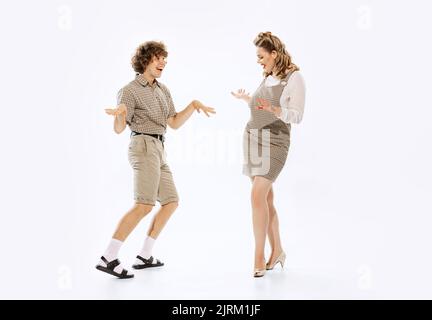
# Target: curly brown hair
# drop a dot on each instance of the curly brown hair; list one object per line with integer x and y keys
{"x": 145, "y": 53}
{"x": 283, "y": 63}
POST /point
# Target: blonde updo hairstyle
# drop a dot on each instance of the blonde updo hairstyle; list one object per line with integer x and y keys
{"x": 283, "y": 63}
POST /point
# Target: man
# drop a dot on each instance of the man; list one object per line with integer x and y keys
{"x": 146, "y": 106}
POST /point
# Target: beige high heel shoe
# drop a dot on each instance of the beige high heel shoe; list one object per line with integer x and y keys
{"x": 258, "y": 273}
{"x": 280, "y": 259}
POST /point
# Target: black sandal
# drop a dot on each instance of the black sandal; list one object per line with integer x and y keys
{"x": 147, "y": 263}
{"x": 110, "y": 266}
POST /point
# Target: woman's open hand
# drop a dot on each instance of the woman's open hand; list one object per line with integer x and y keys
{"x": 266, "y": 106}
{"x": 241, "y": 94}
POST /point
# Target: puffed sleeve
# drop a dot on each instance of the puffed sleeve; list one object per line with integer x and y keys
{"x": 293, "y": 99}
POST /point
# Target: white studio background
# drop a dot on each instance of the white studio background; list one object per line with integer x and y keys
{"x": 353, "y": 199}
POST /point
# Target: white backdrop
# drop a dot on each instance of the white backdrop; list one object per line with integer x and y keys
{"x": 354, "y": 196}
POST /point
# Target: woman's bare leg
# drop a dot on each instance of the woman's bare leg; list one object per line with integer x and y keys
{"x": 260, "y": 217}
{"x": 273, "y": 229}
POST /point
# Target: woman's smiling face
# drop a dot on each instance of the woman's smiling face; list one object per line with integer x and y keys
{"x": 266, "y": 59}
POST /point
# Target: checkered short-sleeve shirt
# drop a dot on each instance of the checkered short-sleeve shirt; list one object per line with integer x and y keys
{"x": 148, "y": 106}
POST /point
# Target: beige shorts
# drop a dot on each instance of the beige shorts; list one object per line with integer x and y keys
{"x": 153, "y": 179}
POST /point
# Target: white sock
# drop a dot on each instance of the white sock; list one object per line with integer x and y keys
{"x": 147, "y": 249}
{"x": 111, "y": 253}
{"x": 113, "y": 249}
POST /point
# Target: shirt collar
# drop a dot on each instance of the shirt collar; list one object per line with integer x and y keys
{"x": 272, "y": 81}
{"x": 141, "y": 80}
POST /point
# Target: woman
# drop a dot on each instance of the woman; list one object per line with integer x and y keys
{"x": 146, "y": 106}
{"x": 278, "y": 102}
